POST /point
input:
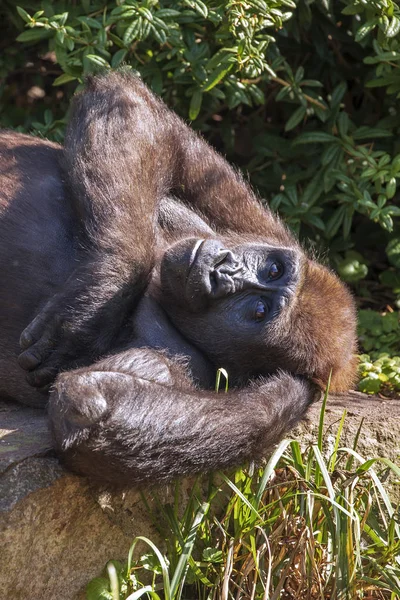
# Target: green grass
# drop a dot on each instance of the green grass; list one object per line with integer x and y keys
{"x": 311, "y": 524}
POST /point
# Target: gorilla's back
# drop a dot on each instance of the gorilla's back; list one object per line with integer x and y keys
{"x": 36, "y": 245}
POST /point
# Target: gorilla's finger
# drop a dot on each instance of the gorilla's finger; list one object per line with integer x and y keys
{"x": 42, "y": 377}
{"x": 38, "y": 352}
{"x": 29, "y": 360}
{"x": 45, "y": 319}
{"x": 26, "y": 339}
{"x": 34, "y": 330}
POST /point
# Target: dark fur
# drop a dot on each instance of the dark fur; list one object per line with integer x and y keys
{"x": 91, "y": 254}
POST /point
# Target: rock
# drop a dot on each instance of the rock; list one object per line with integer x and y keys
{"x": 58, "y": 531}
{"x": 55, "y": 529}
{"x": 380, "y": 418}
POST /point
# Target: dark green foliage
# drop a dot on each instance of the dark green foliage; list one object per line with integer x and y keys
{"x": 379, "y": 333}
{"x": 301, "y": 94}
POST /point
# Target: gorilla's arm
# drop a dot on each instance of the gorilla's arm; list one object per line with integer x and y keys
{"x": 124, "y": 151}
{"x": 115, "y": 173}
{"x": 134, "y": 418}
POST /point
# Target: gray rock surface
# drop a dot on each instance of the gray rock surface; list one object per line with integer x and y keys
{"x": 380, "y": 418}
{"x": 57, "y": 531}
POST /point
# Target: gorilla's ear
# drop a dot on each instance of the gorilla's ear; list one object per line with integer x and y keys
{"x": 345, "y": 377}
{"x": 323, "y": 329}
{"x": 342, "y": 379}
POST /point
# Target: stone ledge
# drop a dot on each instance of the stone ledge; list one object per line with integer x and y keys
{"x": 58, "y": 531}
{"x": 380, "y": 433}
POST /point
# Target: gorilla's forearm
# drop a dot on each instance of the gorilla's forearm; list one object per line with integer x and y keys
{"x": 206, "y": 181}
{"x": 115, "y": 424}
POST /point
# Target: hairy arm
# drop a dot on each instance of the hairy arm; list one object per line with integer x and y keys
{"x": 114, "y": 174}
{"x": 134, "y": 418}
{"x": 124, "y": 151}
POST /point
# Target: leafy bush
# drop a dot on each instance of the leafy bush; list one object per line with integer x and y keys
{"x": 379, "y": 333}
{"x": 380, "y": 375}
{"x": 379, "y": 336}
{"x": 302, "y": 95}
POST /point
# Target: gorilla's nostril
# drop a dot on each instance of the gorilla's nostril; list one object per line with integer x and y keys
{"x": 220, "y": 258}
{"x": 225, "y": 258}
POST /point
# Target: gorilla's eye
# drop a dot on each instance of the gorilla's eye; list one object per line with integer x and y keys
{"x": 275, "y": 270}
{"x": 261, "y": 311}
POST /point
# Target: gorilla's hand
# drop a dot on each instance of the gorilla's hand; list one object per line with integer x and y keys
{"x": 80, "y": 323}
{"x": 38, "y": 341}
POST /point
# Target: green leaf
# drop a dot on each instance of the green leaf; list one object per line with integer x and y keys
{"x": 393, "y": 28}
{"x": 347, "y": 221}
{"x": 285, "y": 91}
{"x": 394, "y": 211}
{"x": 331, "y": 154}
{"x": 132, "y": 31}
{"x": 92, "y": 23}
{"x": 338, "y": 93}
{"x": 299, "y": 74}
{"x": 391, "y": 188}
{"x": 159, "y": 34}
{"x": 198, "y": 5}
{"x": 195, "y": 104}
{"x": 315, "y": 137}
{"x": 64, "y": 78}
{"x": 257, "y": 94}
{"x": 117, "y": 41}
{"x": 316, "y": 221}
{"x": 146, "y": 13}
{"x": 380, "y": 81}
{"x": 296, "y": 117}
{"x": 23, "y": 14}
{"x": 98, "y": 589}
{"x": 97, "y": 60}
{"x": 393, "y": 252}
{"x": 343, "y": 123}
{"x": 118, "y": 58}
{"x": 219, "y": 57}
{"x": 365, "y": 132}
{"x": 335, "y": 222}
{"x": 34, "y": 35}
{"x": 314, "y": 189}
{"x": 352, "y": 270}
{"x": 365, "y": 29}
{"x": 219, "y": 73}
{"x": 311, "y": 83}
{"x": 351, "y": 10}
{"x": 167, "y": 13}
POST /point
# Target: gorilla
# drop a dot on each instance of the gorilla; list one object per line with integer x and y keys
{"x": 134, "y": 263}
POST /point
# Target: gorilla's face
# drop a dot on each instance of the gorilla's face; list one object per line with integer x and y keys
{"x": 228, "y": 298}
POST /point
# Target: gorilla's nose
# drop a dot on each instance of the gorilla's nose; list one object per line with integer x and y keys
{"x": 225, "y": 259}
{"x": 225, "y": 274}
